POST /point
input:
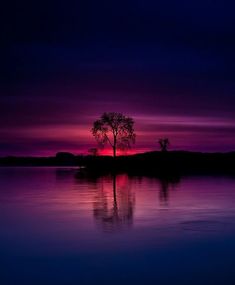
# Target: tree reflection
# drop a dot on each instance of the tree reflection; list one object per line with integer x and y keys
{"x": 114, "y": 208}
{"x": 112, "y": 197}
{"x": 166, "y": 183}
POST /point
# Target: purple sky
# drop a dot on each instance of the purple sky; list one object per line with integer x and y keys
{"x": 170, "y": 67}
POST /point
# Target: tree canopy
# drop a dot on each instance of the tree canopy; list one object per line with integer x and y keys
{"x": 164, "y": 144}
{"x": 114, "y": 129}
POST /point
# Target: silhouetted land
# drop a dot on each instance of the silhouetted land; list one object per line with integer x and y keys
{"x": 149, "y": 163}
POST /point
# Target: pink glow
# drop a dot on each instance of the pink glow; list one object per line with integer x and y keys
{"x": 66, "y": 121}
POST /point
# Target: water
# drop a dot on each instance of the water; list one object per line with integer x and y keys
{"x": 58, "y": 227}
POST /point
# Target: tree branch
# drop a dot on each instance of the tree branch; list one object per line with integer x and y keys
{"x": 108, "y": 140}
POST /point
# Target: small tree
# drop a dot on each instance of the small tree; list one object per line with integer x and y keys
{"x": 93, "y": 151}
{"x": 164, "y": 144}
{"x": 114, "y": 129}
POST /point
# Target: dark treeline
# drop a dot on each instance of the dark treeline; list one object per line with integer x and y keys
{"x": 173, "y": 162}
{"x": 166, "y": 163}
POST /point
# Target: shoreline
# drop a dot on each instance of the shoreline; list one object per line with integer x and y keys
{"x": 172, "y": 162}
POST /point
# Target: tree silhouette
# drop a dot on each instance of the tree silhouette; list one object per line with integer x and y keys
{"x": 93, "y": 151}
{"x": 164, "y": 144}
{"x": 114, "y": 129}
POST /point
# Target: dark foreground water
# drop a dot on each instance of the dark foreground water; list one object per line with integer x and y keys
{"x": 57, "y": 227}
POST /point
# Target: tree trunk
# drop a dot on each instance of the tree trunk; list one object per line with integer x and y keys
{"x": 114, "y": 151}
{"x": 114, "y": 146}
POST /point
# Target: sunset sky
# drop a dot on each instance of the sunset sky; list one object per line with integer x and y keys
{"x": 168, "y": 64}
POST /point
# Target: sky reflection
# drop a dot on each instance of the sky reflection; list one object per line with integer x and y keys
{"x": 39, "y": 197}
{"x": 60, "y": 225}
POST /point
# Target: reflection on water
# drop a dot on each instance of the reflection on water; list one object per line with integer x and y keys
{"x": 63, "y": 225}
{"x": 117, "y": 212}
{"x": 167, "y": 183}
{"x": 114, "y": 199}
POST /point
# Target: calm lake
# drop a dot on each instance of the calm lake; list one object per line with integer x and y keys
{"x": 59, "y": 227}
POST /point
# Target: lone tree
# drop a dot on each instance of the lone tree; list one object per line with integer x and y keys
{"x": 164, "y": 144}
{"x": 114, "y": 129}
